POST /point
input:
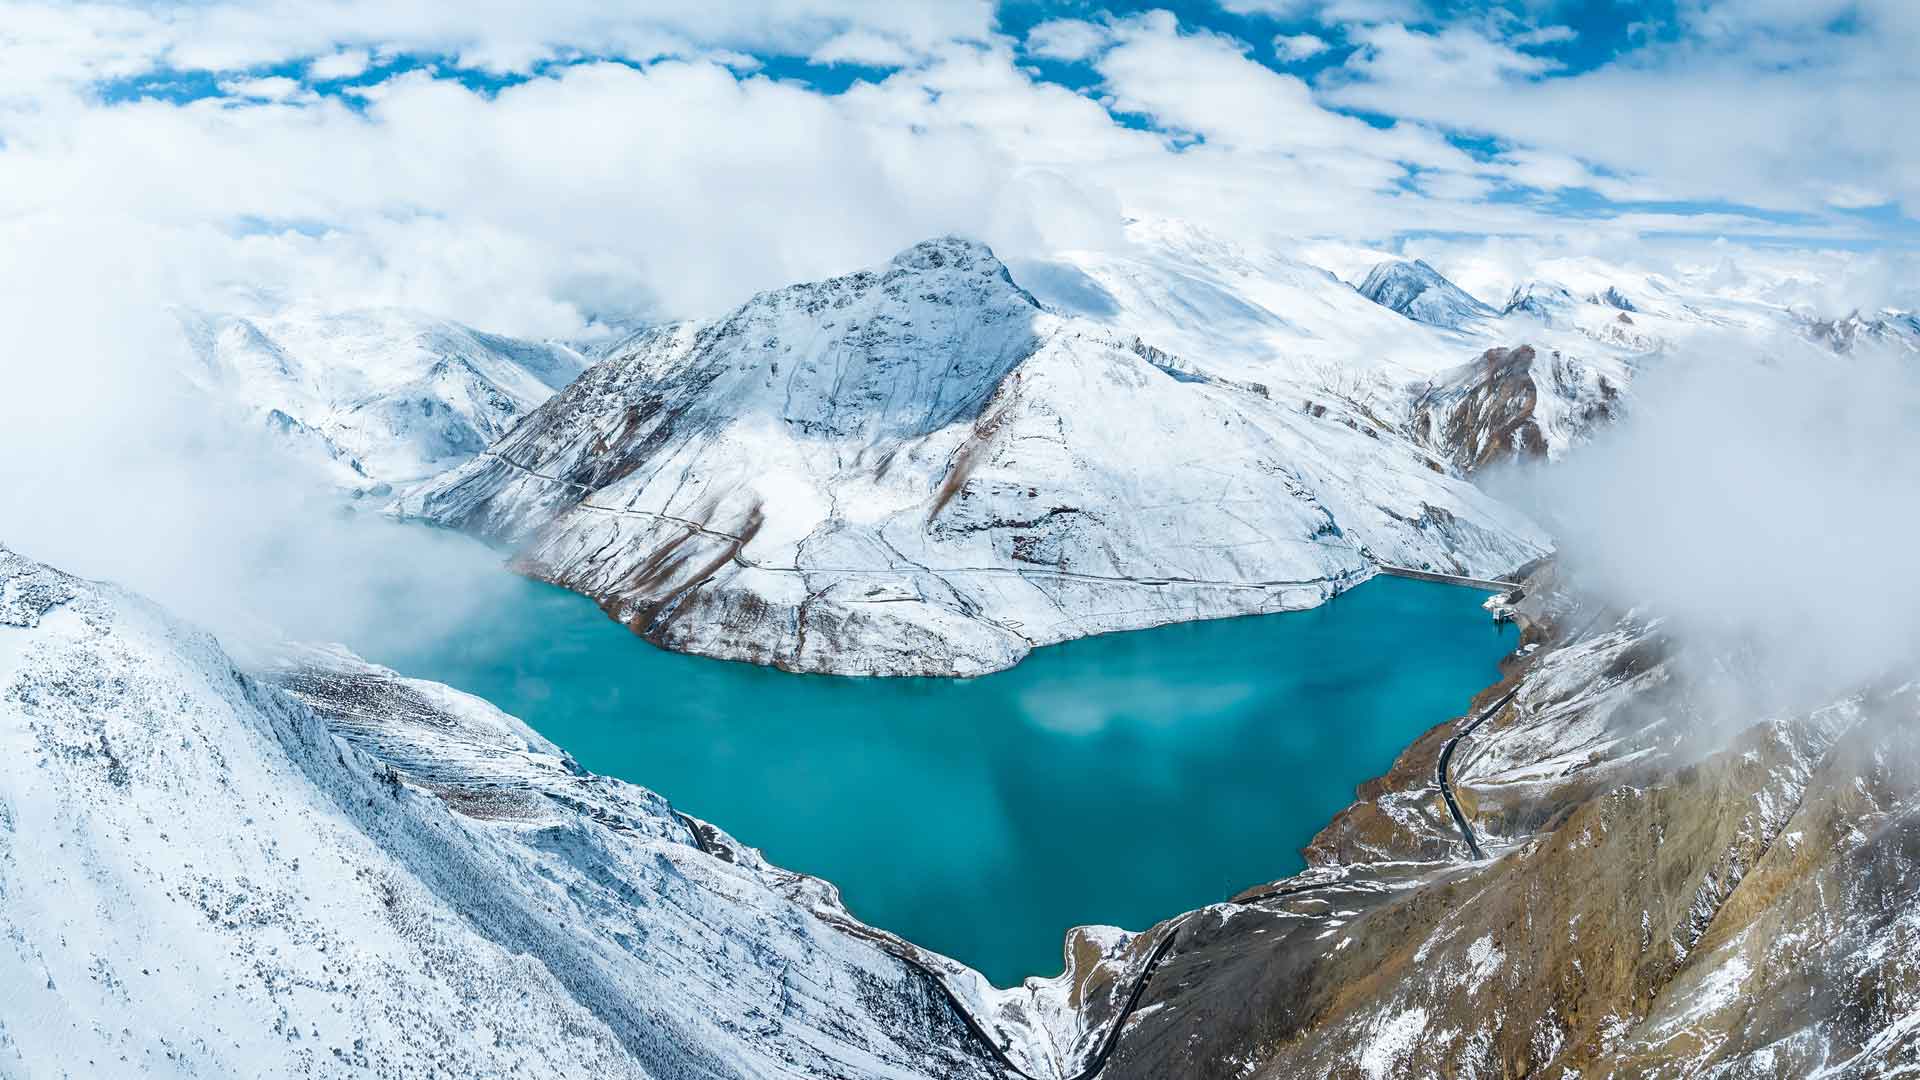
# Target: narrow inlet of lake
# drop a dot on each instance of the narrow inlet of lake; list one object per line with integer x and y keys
{"x": 1118, "y": 779}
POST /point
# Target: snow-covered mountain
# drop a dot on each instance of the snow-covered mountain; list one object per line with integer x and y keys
{"x": 1417, "y": 291}
{"x": 327, "y": 869}
{"x": 372, "y": 396}
{"x": 919, "y": 469}
{"x": 1248, "y": 312}
{"x": 1897, "y": 330}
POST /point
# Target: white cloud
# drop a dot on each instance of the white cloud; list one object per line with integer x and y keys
{"x": 862, "y": 47}
{"x": 1206, "y": 83}
{"x": 1764, "y": 102}
{"x": 52, "y": 41}
{"x": 1345, "y": 12}
{"x": 1738, "y": 468}
{"x": 344, "y": 64}
{"x": 1067, "y": 39}
{"x": 1454, "y": 57}
{"x": 1296, "y": 47}
{"x": 272, "y": 88}
{"x": 1542, "y": 35}
{"x": 1278, "y": 9}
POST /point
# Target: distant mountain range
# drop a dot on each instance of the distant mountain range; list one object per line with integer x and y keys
{"x": 372, "y": 397}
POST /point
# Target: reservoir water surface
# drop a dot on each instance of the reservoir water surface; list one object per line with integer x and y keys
{"x": 1119, "y": 779}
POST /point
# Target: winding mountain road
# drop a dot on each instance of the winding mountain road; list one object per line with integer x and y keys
{"x": 1446, "y": 784}
{"x": 1441, "y": 769}
{"x": 1489, "y": 584}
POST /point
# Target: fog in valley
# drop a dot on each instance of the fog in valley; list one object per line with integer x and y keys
{"x": 1765, "y": 507}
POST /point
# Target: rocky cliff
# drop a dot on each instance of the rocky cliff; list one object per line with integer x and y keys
{"x": 1513, "y": 406}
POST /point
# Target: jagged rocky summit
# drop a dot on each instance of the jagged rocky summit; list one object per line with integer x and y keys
{"x": 1513, "y": 406}
{"x": 918, "y": 469}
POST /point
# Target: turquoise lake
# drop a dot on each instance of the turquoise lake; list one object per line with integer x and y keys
{"x": 1119, "y": 779}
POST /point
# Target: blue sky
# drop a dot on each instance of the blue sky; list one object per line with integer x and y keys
{"x": 1569, "y": 38}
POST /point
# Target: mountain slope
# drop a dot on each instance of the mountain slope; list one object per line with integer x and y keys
{"x": 208, "y": 875}
{"x": 374, "y": 396}
{"x": 918, "y": 470}
{"x": 1513, "y": 406}
{"x": 1657, "y": 898}
{"x": 1417, "y": 291}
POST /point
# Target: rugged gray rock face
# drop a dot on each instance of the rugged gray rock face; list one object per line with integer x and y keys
{"x": 1419, "y": 292}
{"x": 917, "y": 470}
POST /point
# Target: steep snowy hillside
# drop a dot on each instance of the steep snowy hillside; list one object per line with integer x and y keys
{"x": 377, "y": 396}
{"x": 1251, "y": 312}
{"x": 336, "y": 871}
{"x": 1247, "y": 313}
{"x": 918, "y": 470}
{"x": 1417, "y": 291}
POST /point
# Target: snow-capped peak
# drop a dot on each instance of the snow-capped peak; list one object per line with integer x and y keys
{"x": 1541, "y": 299}
{"x": 1421, "y": 293}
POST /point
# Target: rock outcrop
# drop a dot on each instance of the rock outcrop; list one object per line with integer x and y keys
{"x": 1511, "y": 406}
{"x": 1666, "y": 892}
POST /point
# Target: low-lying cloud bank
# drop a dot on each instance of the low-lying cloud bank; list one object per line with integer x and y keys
{"x": 112, "y": 466}
{"x": 1767, "y": 507}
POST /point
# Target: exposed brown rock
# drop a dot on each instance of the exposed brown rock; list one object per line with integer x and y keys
{"x": 1660, "y": 900}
